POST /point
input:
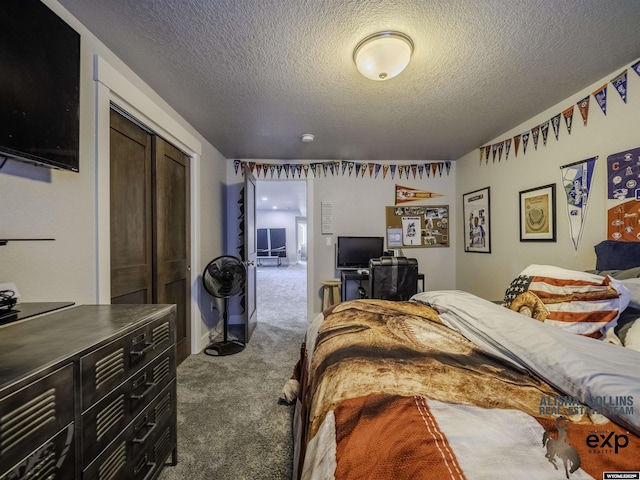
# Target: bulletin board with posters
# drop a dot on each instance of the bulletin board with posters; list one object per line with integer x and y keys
{"x": 417, "y": 226}
{"x": 623, "y": 196}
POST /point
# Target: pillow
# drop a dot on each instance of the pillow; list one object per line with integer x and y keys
{"x": 628, "y": 328}
{"x": 633, "y": 285}
{"x": 618, "y": 274}
{"x": 578, "y": 302}
{"x": 615, "y": 255}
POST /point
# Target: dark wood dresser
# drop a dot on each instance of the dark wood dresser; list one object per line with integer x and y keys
{"x": 89, "y": 392}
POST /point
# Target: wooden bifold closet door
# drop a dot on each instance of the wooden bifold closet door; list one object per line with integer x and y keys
{"x": 150, "y": 228}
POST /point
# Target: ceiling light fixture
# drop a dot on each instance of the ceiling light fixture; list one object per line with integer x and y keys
{"x": 383, "y": 55}
{"x": 307, "y": 138}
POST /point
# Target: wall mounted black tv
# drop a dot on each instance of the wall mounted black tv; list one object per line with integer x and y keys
{"x": 354, "y": 252}
{"x": 39, "y": 85}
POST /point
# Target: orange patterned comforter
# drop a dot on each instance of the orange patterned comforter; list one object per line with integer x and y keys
{"x": 391, "y": 393}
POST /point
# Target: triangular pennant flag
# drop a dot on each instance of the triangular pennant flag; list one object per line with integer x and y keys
{"x": 495, "y": 151}
{"x": 434, "y": 168}
{"x": 385, "y": 169}
{"x": 583, "y": 106}
{"x": 377, "y": 170}
{"x": 252, "y": 167}
{"x": 576, "y": 179}
{"x": 601, "y": 97}
{"x": 265, "y": 169}
{"x": 344, "y": 167}
{"x": 286, "y": 167}
{"x": 413, "y": 170}
{"x": 516, "y": 144}
{"x": 407, "y": 169}
{"x": 305, "y": 168}
{"x": 279, "y": 170}
{"x": 351, "y": 165}
{"x": 236, "y": 165}
{"x": 427, "y": 168}
{"x": 400, "y": 170}
{"x": 448, "y": 167}
{"x": 568, "y": 118}
{"x": 620, "y": 84}
{"x": 440, "y": 168}
{"x": 544, "y": 129}
{"x": 420, "y": 170}
{"x": 313, "y": 169}
{"x": 363, "y": 170}
{"x": 487, "y": 150}
{"x": 371, "y": 167}
{"x": 408, "y": 194}
{"x": 555, "y": 122}
{"x": 358, "y": 167}
{"x": 393, "y": 171}
{"x": 481, "y": 154}
{"x": 272, "y": 168}
{"x": 535, "y": 132}
{"x": 507, "y": 148}
{"x": 500, "y": 147}
{"x": 636, "y": 67}
{"x": 525, "y": 141}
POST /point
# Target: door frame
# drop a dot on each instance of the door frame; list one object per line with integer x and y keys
{"x": 112, "y": 87}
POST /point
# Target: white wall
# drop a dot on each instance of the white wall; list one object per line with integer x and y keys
{"x": 73, "y": 207}
{"x": 488, "y": 275}
{"x": 359, "y": 209}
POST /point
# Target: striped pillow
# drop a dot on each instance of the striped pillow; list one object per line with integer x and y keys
{"x": 578, "y": 302}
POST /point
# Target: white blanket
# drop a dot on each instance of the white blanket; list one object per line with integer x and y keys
{"x": 600, "y": 375}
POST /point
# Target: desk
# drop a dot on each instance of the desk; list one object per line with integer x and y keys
{"x": 351, "y": 280}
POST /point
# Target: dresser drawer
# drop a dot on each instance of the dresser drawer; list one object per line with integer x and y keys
{"x": 106, "y": 368}
{"x": 54, "y": 459}
{"x": 32, "y": 415}
{"x": 107, "y": 418}
{"x": 143, "y": 446}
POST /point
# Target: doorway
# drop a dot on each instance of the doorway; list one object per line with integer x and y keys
{"x": 281, "y": 217}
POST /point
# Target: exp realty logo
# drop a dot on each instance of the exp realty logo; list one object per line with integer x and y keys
{"x": 598, "y": 442}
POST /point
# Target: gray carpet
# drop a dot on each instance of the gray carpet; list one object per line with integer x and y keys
{"x": 230, "y": 425}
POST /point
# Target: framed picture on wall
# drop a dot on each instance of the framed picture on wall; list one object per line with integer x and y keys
{"x": 477, "y": 224}
{"x": 538, "y": 214}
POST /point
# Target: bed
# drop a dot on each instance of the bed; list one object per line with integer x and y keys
{"x": 544, "y": 384}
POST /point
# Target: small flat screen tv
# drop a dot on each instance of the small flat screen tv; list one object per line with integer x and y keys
{"x": 39, "y": 85}
{"x": 354, "y": 252}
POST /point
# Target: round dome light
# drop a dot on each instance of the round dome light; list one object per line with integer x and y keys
{"x": 383, "y": 55}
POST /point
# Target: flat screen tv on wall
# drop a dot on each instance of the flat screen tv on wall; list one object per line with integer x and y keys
{"x": 353, "y": 253}
{"x": 39, "y": 86}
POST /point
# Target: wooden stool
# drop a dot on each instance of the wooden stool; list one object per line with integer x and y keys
{"x": 330, "y": 293}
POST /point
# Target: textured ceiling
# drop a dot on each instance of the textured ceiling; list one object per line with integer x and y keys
{"x": 253, "y": 75}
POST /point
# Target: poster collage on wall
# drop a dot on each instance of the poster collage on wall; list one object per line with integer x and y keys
{"x": 623, "y": 196}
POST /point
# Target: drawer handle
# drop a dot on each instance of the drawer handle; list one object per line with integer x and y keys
{"x": 151, "y": 427}
{"x": 144, "y": 462}
{"x": 150, "y": 387}
{"x": 147, "y": 347}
